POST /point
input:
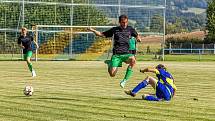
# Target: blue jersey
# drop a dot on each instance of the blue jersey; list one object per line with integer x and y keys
{"x": 165, "y": 86}
{"x": 165, "y": 78}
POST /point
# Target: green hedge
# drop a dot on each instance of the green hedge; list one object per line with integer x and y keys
{"x": 174, "y": 40}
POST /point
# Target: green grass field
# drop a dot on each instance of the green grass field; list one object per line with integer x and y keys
{"x": 187, "y": 58}
{"x": 82, "y": 90}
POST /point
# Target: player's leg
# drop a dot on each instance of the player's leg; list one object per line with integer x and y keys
{"x": 28, "y": 61}
{"x": 163, "y": 91}
{"x": 113, "y": 65}
{"x": 150, "y": 98}
{"x": 112, "y": 71}
{"x": 28, "y": 56}
{"x": 148, "y": 80}
{"x": 131, "y": 61}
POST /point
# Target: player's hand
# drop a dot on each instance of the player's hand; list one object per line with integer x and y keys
{"x": 23, "y": 47}
{"x": 90, "y": 29}
{"x": 173, "y": 93}
{"x": 139, "y": 40}
{"x": 141, "y": 70}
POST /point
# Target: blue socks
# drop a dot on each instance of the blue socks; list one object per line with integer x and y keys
{"x": 141, "y": 85}
{"x": 151, "y": 98}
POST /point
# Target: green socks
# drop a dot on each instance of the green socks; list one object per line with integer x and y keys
{"x": 127, "y": 76}
{"x": 30, "y": 67}
{"x": 128, "y": 73}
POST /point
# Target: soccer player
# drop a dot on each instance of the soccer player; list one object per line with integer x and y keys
{"x": 121, "y": 36}
{"x": 25, "y": 42}
{"x": 165, "y": 87}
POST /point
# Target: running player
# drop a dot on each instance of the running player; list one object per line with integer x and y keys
{"x": 25, "y": 42}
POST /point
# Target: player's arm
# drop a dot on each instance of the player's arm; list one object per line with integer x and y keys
{"x": 153, "y": 70}
{"x": 136, "y": 35}
{"x": 173, "y": 93}
{"x": 20, "y": 44}
{"x": 97, "y": 33}
{"x": 138, "y": 38}
{"x": 173, "y": 88}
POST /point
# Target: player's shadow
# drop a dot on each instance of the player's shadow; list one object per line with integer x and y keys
{"x": 86, "y": 100}
{"x": 127, "y": 98}
{"x": 57, "y": 98}
{"x": 88, "y": 97}
{"x": 74, "y": 98}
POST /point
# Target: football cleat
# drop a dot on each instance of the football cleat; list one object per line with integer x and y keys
{"x": 129, "y": 92}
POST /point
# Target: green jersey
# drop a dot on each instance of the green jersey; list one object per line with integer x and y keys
{"x": 132, "y": 45}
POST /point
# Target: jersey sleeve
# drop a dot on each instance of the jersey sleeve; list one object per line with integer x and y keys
{"x": 108, "y": 33}
{"x": 134, "y": 32}
{"x": 156, "y": 71}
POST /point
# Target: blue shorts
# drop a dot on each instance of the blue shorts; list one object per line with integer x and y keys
{"x": 164, "y": 91}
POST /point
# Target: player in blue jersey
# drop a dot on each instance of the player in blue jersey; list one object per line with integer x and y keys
{"x": 25, "y": 42}
{"x": 121, "y": 52}
{"x": 164, "y": 87}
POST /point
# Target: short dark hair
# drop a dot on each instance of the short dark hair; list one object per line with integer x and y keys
{"x": 122, "y": 17}
{"x": 161, "y": 66}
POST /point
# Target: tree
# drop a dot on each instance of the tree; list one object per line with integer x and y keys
{"x": 156, "y": 23}
{"x": 210, "y": 22}
{"x": 42, "y": 14}
{"x": 176, "y": 27}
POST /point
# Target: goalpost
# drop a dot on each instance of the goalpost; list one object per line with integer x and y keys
{"x": 62, "y": 42}
{"x": 68, "y": 20}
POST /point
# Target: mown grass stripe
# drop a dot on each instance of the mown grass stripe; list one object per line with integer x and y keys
{"x": 84, "y": 89}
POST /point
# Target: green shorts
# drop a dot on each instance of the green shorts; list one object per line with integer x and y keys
{"x": 28, "y": 54}
{"x": 116, "y": 60}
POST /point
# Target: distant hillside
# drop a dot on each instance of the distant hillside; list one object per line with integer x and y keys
{"x": 191, "y": 13}
{"x": 185, "y": 4}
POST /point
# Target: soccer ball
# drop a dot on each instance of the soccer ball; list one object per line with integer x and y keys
{"x": 28, "y": 90}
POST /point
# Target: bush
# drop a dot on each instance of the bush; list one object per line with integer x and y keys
{"x": 175, "y": 41}
{"x": 209, "y": 39}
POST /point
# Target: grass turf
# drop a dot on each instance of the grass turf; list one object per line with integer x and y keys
{"x": 83, "y": 90}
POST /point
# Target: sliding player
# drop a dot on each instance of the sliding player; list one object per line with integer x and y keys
{"x": 164, "y": 86}
{"x": 25, "y": 42}
{"x": 121, "y": 36}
